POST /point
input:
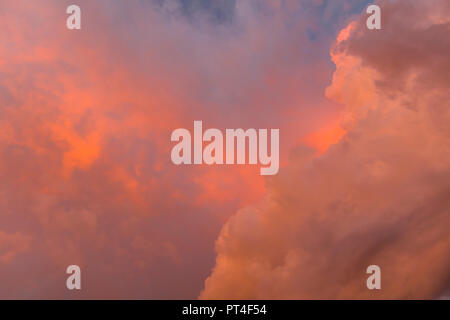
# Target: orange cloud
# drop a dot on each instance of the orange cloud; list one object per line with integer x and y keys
{"x": 325, "y": 137}
{"x": 379, "y": 196}
{"x": 85, "y": 123}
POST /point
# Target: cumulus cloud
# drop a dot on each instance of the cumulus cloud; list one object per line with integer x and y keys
{"x": 378, "y": 196}
{"x": 85, "y": 123}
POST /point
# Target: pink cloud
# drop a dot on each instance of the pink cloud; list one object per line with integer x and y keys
{"x": 379, "y": 196}
{"x": 85, "y": 123}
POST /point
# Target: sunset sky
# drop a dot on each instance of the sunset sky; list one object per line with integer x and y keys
{"x": 86, "y": 176}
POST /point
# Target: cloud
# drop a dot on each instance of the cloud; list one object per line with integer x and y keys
{"x": 85, "y": 123}
{"x": 378, "y": 196}
{"x": 11, "y": 245}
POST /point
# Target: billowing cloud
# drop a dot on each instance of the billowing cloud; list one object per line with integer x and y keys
{"x": 381, "y": 195}
{"x": 85, "y": 123}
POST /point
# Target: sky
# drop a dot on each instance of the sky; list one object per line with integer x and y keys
{"x": 86, "y": 177}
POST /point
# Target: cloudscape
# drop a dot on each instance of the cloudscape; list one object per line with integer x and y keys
{"x": 86, "y": 118}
